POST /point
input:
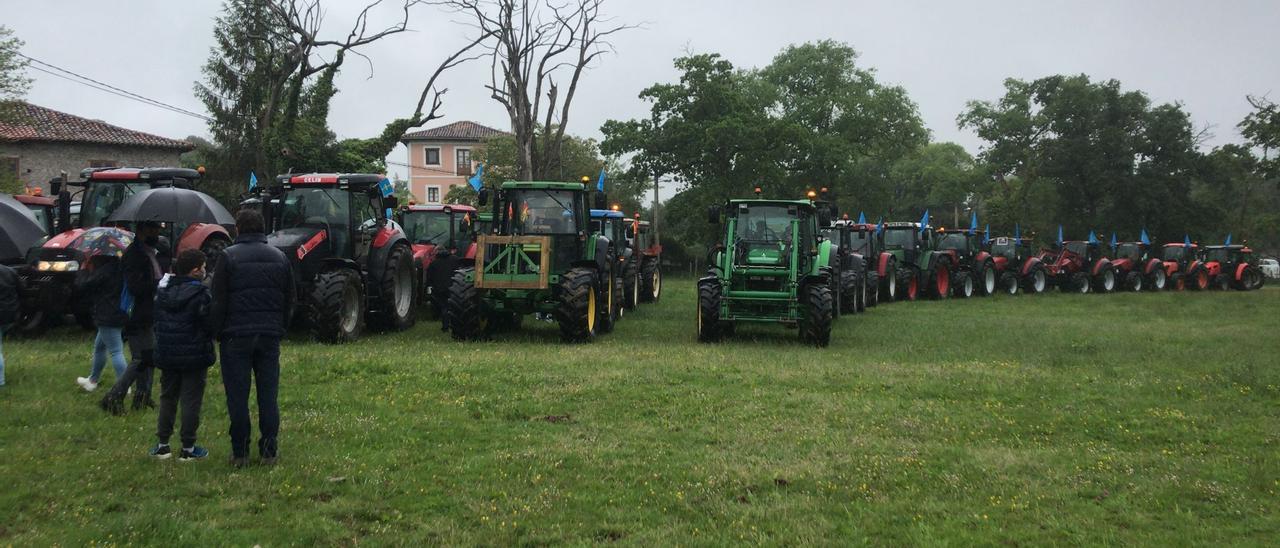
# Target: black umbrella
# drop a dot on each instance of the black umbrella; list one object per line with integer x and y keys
{"x": 19, "y": 230}
{"x": 172, "y": 205}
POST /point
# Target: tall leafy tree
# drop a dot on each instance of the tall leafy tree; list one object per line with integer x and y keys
{"x": 13, "y": 77}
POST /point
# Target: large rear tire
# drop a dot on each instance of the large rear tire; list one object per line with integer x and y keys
{"x": 709, "y": 311}
{"x": 1133, "y": 281}
{"x": 888, "y": 291}
{"x": 1199, "y": 279}
{"x": 1157, "y": 280}
{"x": 1009, "y": 283}
{"x": 815, "y": 325}
{"x": 940, "y": 282}
{"x": 396, "y": 303}
{"x": 861, "y": 293}
{"x": 1178, "y": 281}
{"x": 651, "y": 280}
{"x": 337, "y": 306}
{"x": 986, "y": 279}
{"x": 608, "y": 300}
{"x": 631, "y": 285}
{"x": 1106, "y": 280}
{"x": 962, "y": 285}
{"x": 1222, "y": 282}
{"x": 576, "y": 313}
{"x": 467, "y": 318}
{"x": 1080, "y": 282}
{"x": 909, "y": 279}
{"x": 873, "y": 288}
{"x": 849, "y": 293}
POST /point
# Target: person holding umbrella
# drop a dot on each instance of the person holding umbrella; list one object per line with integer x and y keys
{"x": 142, "y": 269}
{"x": 8, "y": 308}
{"x": 102, "y": 278}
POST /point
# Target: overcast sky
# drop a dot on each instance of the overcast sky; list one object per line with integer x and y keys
{"x": 1206, "y": 55}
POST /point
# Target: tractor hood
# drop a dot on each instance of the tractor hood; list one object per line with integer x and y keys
{"x": 297, "y": 242}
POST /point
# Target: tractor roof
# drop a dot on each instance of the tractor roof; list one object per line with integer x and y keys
{"x": 606, "y": 214}
{"x": 631, "y": 220}
{"x": 964, "y": 231}
{"x": 1232, "y": 247}
{"x": 440, "y": 207}
{"x": 1179, "y": 244}
{"x": 139, "y": 174}
{"x": 340, "y": 179}
{"x": 904, "y": 224}
{"x": 542, "y": 185}
{"x": 762, "y": 202}
{"x": 27, "y": 199}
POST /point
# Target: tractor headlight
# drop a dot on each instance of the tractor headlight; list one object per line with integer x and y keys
{"x": 58, "y": 266}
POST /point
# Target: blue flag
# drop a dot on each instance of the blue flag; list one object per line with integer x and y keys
{"x": 386, "y": 187}
{"x": 475, "y": 180}
{"x": 1093, "y": 238}
{"x": 1017, "y": 232}
{"x": 1228, "y": 242}
{"x": 1059, "y": 235}
{"x": 862, "y": 218}
{"x": 924, "y": 222}
{"x": 1186, "y": 240}
{"x": 973, "y": 223}
{"x": 388, "y": 212}
{"x": 600, "y": 182}
{"x": 879, "y": 226}
{"x": 1113, "y": 240}
{"x": 1144, "y": 239}
{"x": 986, "y": 236}
{"x": 253, "y": 180}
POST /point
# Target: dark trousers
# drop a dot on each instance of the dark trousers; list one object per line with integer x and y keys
{"x": 185, "y": 388}
{"x": 142, "y": 347}
{"x": 257, "y": 357}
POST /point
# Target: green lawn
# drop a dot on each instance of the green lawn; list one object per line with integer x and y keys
{"x": 1150, "y": 418}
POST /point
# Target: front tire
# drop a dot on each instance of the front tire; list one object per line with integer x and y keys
{"x": 1157, "y": 280}
{"x": 986, "y": 279}
{"x": 396, "y": 292}
{"x": 1106, "y": 281}
{"x": 1133, "y": 281}
{"x": 577, "y": 313}
{"x": 651, "y": 281}
{"x": 467, "y": 318}
{"x": 1009, "y": 282}
{"x": 815, "y": 325}
{"x": 337, "y": 306}
{"x": 872, "y": 288}
{"x": 709, "y": 311}
{"x": 962, "y": 285}
{"x": 940, "y": 282}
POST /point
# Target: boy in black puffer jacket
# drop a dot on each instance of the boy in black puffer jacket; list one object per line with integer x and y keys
{"x": 184, "y": 352}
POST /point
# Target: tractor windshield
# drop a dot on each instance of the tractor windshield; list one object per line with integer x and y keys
{"x": 315, "y": 207}
{"x": 101, "y": 200}
{"x": 1219, "y": 255}
{"x": 765, "y": 223}
{"x": 900, "y": 238}
{"x": 41, "y": 214}
{"x": 1129, "y": 251}
{"x": 1079, "y": 248}
{"x": 542, "y": 212}
{"x": 1004, "y": 247}
{"x": 1173, "y": 253}
{"x": 433, "y": 227}
{"x": 860, "y": 241}
{"x": 954, "y": 241}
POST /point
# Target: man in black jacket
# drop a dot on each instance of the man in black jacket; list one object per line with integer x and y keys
{"x": 143, "y": 268}
{"x": 253, "y": 297}
{"x": 8, "y": 307}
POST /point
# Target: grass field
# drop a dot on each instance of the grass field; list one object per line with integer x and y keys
{"x": 1151, "y": 419}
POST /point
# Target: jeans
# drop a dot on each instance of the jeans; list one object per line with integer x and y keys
{"x": 183, "y": 387}
{"x": 107, "y": 343}
{"x": 257, "y": 357}
{"x": 142, "y": 345}
{"x": 1, "y": 355}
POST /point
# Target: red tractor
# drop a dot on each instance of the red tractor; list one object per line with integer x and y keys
{"x": 445, "y": 232}
{"x": 1137, "y": 269}
{"x": 1232, "y": 267}
{"x": 648, "y": 269}
{"x": 50, "y": 273}
{"x": 1079, "y": 266}
{"x": 350, "y": 261}
{"x": 44, "y": 208}
{"x": 1016, "y": 266}
{"x": 1183, "y": 267}
{"x": 975, "y": 271}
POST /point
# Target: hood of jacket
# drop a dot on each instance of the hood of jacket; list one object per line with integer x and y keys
{"x": 177, "y": 294}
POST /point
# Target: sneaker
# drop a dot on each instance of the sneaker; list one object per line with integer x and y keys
{"x": 161, "y": 451}
{"x": 87, "y": 384}
{"x": 195, "y": 453}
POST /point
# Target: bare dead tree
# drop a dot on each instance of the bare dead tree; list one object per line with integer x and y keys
{"x": 534, "y": 46}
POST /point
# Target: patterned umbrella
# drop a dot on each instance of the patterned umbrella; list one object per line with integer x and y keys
{"x": 102, "y": 241}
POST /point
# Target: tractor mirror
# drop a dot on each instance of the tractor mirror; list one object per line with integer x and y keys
{"x": 713, "y": 215}
{"x": 483, "y": 197}
{"x": 391, "y": 202}
{"x": 602, "y": 201}
{"x": 824, "y": 216}
{"x": 55, "y": 186}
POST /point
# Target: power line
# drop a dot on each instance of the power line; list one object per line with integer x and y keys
{"x": 108, "y": 88}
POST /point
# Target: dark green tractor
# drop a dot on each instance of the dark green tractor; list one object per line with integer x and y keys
{"x": 770, "y": 266}
{"x": 921, "y": 266}
{"x": 539, "y": 256}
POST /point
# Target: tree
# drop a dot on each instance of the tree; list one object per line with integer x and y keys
{"x": 941, "y": 177}
{"x": 13, "y": 78}
{"x": 580, "y": 158}
{"x": 530, "y": 44}
{"x": 1262, "y": 129}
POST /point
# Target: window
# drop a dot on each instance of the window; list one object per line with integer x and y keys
{"x": 103, "y": 163}
{"x": 431, "y": 156}
{"x": 464, "y": 162}
{"x": 433, "y": 194}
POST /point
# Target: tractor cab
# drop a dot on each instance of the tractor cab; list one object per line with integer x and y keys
{"x": 546, "y": 222}
{"x": 612, "y": 225}
{"x": 1232, "y": 266}
{"x": 964, "y": 243}
{"x": 772, "y": 235}
{"x": 438, "y": 229}
{"x": 1132, "y": 251}
{"x": 44, "y": 209}
{"x": 907, "y": 239}
{"x": 1010, "y": 249}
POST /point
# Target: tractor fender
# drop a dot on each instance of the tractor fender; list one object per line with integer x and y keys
{"x": 1194, "y": 265}
{"x": 197, "y": 234}
{"x": 982, "y": 257}
{"x": 1152, "y": 265}
{"x": 1030, "y": 264}
{"x": 1122, "y": 264}
{"x": 471, "y": 252}
{"x": 882, "y": 266}
{"x": 824, "y": 253}
{"x": 1000, "y": 263}
{"x": 1240, "y": 268}
{"x": 1097, "y": 268}
{"x": 377, "y": 264}
{"x": 601, "y": 258}
{"x": 1170, "y": 268}
{"x": 1214, "y": 268}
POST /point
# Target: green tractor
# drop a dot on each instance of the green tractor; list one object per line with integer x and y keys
{"x": 921, "y": 265}
{"x": 539, "y": 256}
{"x": 770, "y": 266}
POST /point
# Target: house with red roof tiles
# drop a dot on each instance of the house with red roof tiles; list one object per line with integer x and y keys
{"x": 442, "y": 158}
{"x": 39, "y": 143}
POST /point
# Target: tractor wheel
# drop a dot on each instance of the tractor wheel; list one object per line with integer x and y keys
{"x": 1157, "y": 280}
{"x": 606, "y": 300}
{"x": 631, "y": 286}
{"x": 940, "y": 282}
{"x": 577, "y": 312}
{"x": 837, "y": 298}
{"x": 1079, "y": 283}
{"x": 862, "y": 293}
{"x": 651, "y": 281}
{"x": 873, "y": 288}
{"x": 1222, "y": 282}
{"x": 1036, "y": 281}
{"x": 1178, "y": 282}
{"x": 815, "y": 325}
{"x": 31, "y": 323}
{"x": 1259, "y": 279}
{"x": 709, "y": 311}
{"x": 396, "y": 291}
{"x": 849, "y": 293}
{"x": 962, "y": 284}
{"x": 1009, "y": 283}
{"x": 213, "y": 248}
{"x": 467, "y": 318}
{"x": 1106, "y": 281}
{"x": 888, "y": 287}
{"x": 337, "y": 306}
{"x": 909, "y": 280}
{"x": 986, "y": 279}
{"x": 618, "y": 298}
{"x": 1133, "y": 281}
{"x": 1200, "y": 279}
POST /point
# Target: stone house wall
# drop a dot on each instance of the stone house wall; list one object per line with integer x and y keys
{"x": 38, "y": 162}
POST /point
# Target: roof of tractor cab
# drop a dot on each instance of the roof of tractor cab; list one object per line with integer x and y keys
{"x": 766, "y": 202}
{"x": 606, "y": 214}
{"x": 904, "y": 224}
{"x": 360, "y": 179}
{"x": 1224, "y": 247}
{"x": 139, "y": 174}
{"x": 440, "y": 207}
{"x": 1180, "y": 244}
{"x": 542, "y": 185}
{"x": 27, "y": 199}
